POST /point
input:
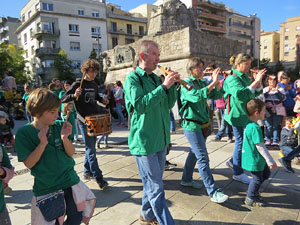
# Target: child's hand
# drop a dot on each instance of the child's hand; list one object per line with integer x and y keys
{"x": 274, "y": 166}
{"x": 66, "y": 130}
{"x": 43, "y": 135}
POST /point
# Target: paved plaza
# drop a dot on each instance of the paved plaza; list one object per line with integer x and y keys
{"x": 120, "y": 203}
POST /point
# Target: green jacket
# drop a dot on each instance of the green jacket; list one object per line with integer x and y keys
{"x": 194, "y": 105}
{"x": 150, "y": 120}
{"x": 238, "y": 89}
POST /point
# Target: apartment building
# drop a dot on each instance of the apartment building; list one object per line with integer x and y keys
{"x": 124, "y": 27}
{"x": 76, "y": 26}
{"x": 8, "y": 26}
{"x": 245, "y": 29}
{"x": 289, "y": 34}
{"x": 270, "y": 45}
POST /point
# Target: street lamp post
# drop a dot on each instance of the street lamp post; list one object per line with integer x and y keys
{"x": 258, "y": 58}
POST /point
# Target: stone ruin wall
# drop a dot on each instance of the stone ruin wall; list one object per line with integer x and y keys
{"x": 175, "y": 49}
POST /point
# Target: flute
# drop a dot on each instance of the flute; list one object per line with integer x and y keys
{"x": 225, "y": 72}
{"x": 185, "y": 84}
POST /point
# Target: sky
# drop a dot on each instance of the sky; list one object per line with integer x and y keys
{"x": 270, "y": 12}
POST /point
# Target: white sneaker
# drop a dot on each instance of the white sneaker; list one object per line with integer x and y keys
{"x": 242, "y": 178}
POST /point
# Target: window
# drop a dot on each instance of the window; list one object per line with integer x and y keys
{"x": 31, "y": 33}
{"x": 277, "y": 43}
{"x": 48, "y": 7}
{"x": 287, "y": 29}
{"x": 265, "y": 53}
{"x": 95, "y": 30}
{"x": 298, "y": 28}
{"x": 286, "y": 38}
{"x": 47, "y": 27}
{"x": 265, "y": 40}
{"x": 129, "y": 29}
{"x": 265, "y": 47}
{"x": 80, "y": 12}
{"x": 95, "y": 14}
{"x": 23, "y": 18}
{"x": 76, "y": 64}
{"x": 114, "y": 42}
{"x": 73, "y": 28}
{"x": 37, "y": 6}
{"x": 32, "y": 50}
{"x": 113, "y": 26}
{"x": 286, "y": 53}
{"x": 128, "y": 40}
{"x": 95, "y": 47}
{"x": 141, "y": 30}
{"x": 47, "y": 44}
{"x": 199, "y": 22}
{"x": 199, "y": 10}
{"x": 29, "y": 14}
{"x": 48, "y": 63}
{"x": 25, "y": 38}
{"x": 75, "y": 46}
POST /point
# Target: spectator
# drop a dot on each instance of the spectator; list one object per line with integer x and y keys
{"x": 290, "y": 94}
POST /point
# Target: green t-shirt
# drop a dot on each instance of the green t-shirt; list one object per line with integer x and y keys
{"x": 55, "y": 169}
{"x": 252, "y": 160}
{"x": 5, "y": 162}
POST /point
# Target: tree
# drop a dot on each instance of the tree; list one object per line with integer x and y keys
{"x": 93, "y": 54}
{"x": 63, "y": 66}
{"x": 12, "y": 58}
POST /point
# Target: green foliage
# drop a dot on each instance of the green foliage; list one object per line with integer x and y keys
{"x": 294, "y": 74}
{"x": 12, "y": 58}
{"x": 278, "y": 67}
{"x": 63, "y": 66}
{"x": 93, "y": 54}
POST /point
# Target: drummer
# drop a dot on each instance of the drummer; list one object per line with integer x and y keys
{"x": 85, "y": 99}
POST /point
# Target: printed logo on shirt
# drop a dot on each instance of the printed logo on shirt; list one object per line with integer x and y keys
{"x": 89, "y": 96}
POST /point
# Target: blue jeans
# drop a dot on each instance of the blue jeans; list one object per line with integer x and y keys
{"x": 273, "y": 123}
{"x": 119, "y": 112}
{"x": 151, "y": 168}
{"x": 173, "y": 125}
{"x": 290, "y": 152}
{"x": 237, "y": 151}
{"x": 91, "y": 166}
{"x": 198, "y": 154}
{"x": 28, "y": 116}
{"x": 103, "y": 138}
{"x": 225, "y": 127}
{"x": 258, "y": 177}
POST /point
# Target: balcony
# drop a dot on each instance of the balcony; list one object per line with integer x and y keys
{"x": 53, "y": 33}
{"x": 241, "y": 25}
{"x": 39, "y": 52}
{"x": 3, "y": 30}
{"x": 217, "y": 6}
{"x": 117, "y": 31}
{"x": 239, "y": 35}
{"x": 212, "y": 28}
{"x": 212, "y": 16}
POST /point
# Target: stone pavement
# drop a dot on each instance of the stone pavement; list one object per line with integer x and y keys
{"x": 120, "y": 203}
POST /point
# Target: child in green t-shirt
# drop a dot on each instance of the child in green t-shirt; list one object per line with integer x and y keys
{"x": 6, "y": 173}
{"x": 44, "y": 146}
{"x": 255, "y": 156}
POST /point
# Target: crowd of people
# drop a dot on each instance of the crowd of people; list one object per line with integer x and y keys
{"x": 255, "y": 110}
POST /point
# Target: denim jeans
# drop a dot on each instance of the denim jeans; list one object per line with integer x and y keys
{"x": 151, "y": 168}
{"x": 258, "y": 177}
{"x": 237, "y": 151}
{"x": 103, "y": 138}
{"x": 90, "y": 162}
{"x": 28, "y": 116}
{"x": 173, "y": 125}
{"x": 73, "y": 216}
{"x": 198, "y": 154}
{"x": 225, "y": 127}
{"x": 290, "y": 152}
{"x": 273, "y": 123}
{"x": 4, "y": 217}
{"x": 119, "y": 112}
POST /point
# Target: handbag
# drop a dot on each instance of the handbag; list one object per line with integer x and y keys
{"x": 52, "y": 206}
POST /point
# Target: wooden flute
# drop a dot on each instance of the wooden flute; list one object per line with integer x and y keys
{"x": 187, "y": 85}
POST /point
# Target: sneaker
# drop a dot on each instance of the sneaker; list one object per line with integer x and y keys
{"x": 230, "y": 140}
{"x": 98, "y": 146}
{"x": 169, "y": 165}
{"x": 253, "y": 203}
{"x": 217, "y": 139}
{"x": 229, "y": 164}
{"x": 274, "y": 143}
{"x": 192, "y": 184}
{"x": 242, "y": 178}
{"x": 79, "y": 141}
{"x": 286, "y": 165}
{"x": 88, "y": 176}
{"x": 106, "y": 146}
{"x": 267, "y": 142}
{"x": 102, "y": 184}
{"x": 218, "y": 196}
{"x": 148, "y": 222}
{"x": 281, "y": 154}
{"x": 297, "y": 160}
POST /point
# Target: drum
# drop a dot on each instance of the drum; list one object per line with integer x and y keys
{"x": 99, "y": 124}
